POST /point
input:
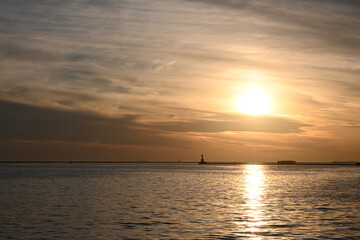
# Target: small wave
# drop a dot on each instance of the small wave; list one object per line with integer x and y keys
{"x": 283, "y": 225}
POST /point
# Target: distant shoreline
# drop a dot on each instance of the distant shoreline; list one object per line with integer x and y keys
{"x": 208, "y": 163}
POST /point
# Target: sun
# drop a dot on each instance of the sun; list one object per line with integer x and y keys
{"x": 254, "y": 102}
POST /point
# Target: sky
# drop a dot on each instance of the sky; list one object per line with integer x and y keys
{"x": 160, "y": 80}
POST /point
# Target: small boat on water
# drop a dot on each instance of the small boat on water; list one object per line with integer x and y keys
{"x": 202, "y": 160}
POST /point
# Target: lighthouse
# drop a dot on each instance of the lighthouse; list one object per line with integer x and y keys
{"x": 202, "y": 159}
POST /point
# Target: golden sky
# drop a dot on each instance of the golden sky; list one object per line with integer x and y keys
{"x": 161, "y": 80}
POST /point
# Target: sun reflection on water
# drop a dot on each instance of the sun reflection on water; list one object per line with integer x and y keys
{"x": 254, "y": 190}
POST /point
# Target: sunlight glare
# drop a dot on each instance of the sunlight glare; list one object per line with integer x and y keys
{"x": 254, "y": 188}
{"x": 254, "y": 102}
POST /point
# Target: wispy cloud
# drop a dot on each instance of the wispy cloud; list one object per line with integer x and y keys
{"x": 235, "y": 124}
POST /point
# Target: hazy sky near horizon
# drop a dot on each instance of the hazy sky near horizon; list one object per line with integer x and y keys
{"x": 160, "y": 79}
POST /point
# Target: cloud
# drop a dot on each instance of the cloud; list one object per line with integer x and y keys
{"x": 46, "y": 97}
{"x": 233, "y": 4}
{"x": 162, "y": 65}
{"x": 177, "y": 64}
{"x": 28, "y": 124}
{"x": 331, "y": 26}
{"x": 81, "y": 78}
{"x": 24, "y": 52}
{"x": 234, "y": 124}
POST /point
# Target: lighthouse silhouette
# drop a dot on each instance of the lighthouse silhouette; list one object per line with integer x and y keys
{"x": 202, "y": 159}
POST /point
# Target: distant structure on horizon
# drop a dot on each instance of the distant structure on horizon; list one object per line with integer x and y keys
{"x": 286, "y": 162}
{"x": 202, "y": 159}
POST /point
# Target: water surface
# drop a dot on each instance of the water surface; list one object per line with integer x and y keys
{"x": 178, "y": 201}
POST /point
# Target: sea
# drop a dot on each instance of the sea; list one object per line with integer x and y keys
{"x": 178, "y": 201}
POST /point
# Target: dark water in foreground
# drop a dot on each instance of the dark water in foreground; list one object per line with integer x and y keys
{"x": 178, "y": 201}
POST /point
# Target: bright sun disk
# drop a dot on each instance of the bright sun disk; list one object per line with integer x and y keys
{"x": 254, "y": 102}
